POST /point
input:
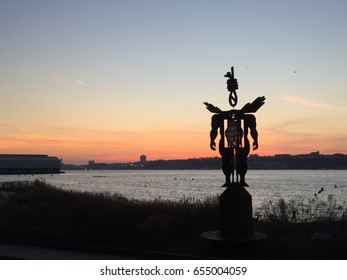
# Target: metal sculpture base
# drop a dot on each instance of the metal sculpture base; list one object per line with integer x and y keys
{"x": 236, "y": 237}
{"x": 215, "y": 235}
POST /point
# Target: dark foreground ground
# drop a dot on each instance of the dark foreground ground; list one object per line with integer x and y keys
{"x": 72, "y": 225}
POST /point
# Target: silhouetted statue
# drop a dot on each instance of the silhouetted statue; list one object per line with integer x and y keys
{"x": 236, "y": 147}
{"x": 235, "y": 203}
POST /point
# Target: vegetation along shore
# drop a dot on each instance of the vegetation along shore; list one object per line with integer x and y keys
{"x": 43, "y": 212}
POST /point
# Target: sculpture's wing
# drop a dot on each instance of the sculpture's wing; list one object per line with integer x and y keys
{"x": 212, "y": 108}
{"x": 254, "y": 106}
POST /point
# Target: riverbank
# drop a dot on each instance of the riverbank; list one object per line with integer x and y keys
{"x": 45, "y": 213}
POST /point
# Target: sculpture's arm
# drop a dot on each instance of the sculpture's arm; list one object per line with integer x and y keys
{"x": 213, "y": 135}
{"x": 215, "y": 124}
{"x": 253, "y": 129}
{"x": 254, "y": 134}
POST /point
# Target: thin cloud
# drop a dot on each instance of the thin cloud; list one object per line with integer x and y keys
{"x": 307, "y": 102}
{"x": 79, "y": 82}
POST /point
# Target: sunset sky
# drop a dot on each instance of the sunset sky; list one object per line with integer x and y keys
{"x": 110, "y": 80}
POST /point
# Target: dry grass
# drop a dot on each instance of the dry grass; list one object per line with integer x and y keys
{"x": 44, "y": 212}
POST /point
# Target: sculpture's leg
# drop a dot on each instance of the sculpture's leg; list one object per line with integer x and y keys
{"x": 232, "y": 165}
{"x": 241, "y": 165}
{"x": 228, "y": 165}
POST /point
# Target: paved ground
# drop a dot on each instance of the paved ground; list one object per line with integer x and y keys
{"x": 16, "y": 251}
{"x": 32, "y": 252}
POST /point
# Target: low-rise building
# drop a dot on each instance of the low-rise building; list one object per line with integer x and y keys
{"x": 28, "y": 164}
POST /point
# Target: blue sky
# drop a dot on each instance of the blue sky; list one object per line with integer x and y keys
{"x": 110, "y": 80}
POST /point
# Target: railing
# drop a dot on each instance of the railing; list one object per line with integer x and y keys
{"x": 13, "y": 185}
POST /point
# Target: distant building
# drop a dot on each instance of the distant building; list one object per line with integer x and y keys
{"x": 28, "y": 164}
{"x": 143, "y": 159}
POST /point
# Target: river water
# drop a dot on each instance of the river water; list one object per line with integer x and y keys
{"x": 264, "y": 185}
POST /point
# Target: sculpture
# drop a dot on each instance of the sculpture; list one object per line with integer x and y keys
{"x": 235, "y": 203}
{"x": 236, "y": 147}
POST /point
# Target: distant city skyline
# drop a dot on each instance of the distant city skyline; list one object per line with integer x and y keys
{"x": 143, "y": 158}
{"x": 313, "y": 160}
{"x": 112, "y": 80}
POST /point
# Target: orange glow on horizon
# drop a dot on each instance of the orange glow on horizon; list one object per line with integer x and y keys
{"x": 78, "y": 146}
